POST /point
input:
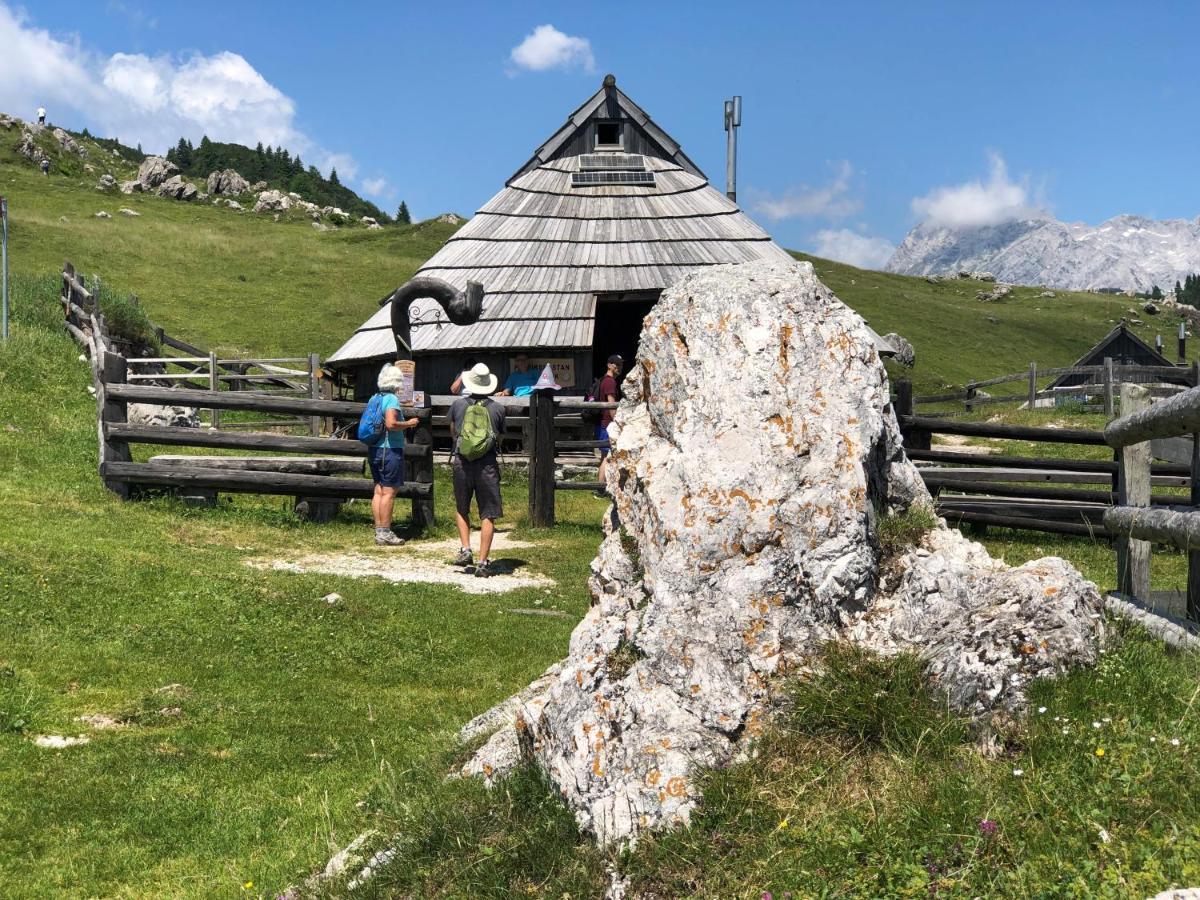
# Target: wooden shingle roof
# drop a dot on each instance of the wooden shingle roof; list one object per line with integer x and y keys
{"x": 544, "y": 249}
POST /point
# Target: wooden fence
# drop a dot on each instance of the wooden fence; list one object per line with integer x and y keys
{"x": 544, "y": 446}
{"x": 1103, "y": 383}
{"x": 124, "y": 477}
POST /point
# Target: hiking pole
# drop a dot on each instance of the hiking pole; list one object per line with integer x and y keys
{"x": 4, "y": 269}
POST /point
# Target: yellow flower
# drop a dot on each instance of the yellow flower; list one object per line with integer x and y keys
{"x": 783, "y": 823}
{"x": 1099, "y": 751}
{"x": 248, "y": 885}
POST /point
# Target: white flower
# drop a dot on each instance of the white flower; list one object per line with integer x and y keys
{"x": 1066, "y": 731}
{"x": 1041, "y": 709}
{"x": 1153, "y": 739}
{"x": 1107, "y": 719}
{"x": 1018, "y": 772}
{"x": 1095, "y": 724}
{"x": 1104, "y": 836}
{"x": 1174, "y": 742}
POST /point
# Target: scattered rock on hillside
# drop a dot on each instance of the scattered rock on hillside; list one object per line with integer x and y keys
{"x": 176, "y": 188}
{"x": 68, "y": 143}
{"x": 126, "y": 211}
{"x": 999, "y": 292}
{"x": 7, "y": 121}
{"x": 450, "y": 218}
{"x": 154, "y": 170}
{"x": 106, "y": 183}
{"x": 1150, "y": 309}
{"x": 132, "y": 187}
{"x": 753, "y": 455}
{"x": 334, "y": 212}
{"x": 27, "y": 146}
{"x": 1048, "y": 295}
{"x": 905, "y": 353}
{"x": 367, "y": 220}
{"x": 273, "y": 201}
{"x": 149, "y": 414}
{"x": 258, "y": 186}
{"x": 103, "y": 215}
{"x": 227, "y": 182}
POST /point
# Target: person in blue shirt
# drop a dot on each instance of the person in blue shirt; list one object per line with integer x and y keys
{"x": 386, "y": 459}
{"x": 520, "y": 382}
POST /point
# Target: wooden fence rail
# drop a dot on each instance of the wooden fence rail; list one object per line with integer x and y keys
{"x": 543, "y": 446}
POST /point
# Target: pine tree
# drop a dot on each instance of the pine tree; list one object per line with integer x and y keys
{"x": 1156, "y": 293}
{"x": 402, "y": 216}
{"x": 333, "y": 179}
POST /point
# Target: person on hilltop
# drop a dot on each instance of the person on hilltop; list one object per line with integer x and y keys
{"x": 41, "y": 115}
{"x": 609, "y": 392}
{"x": 45, "y": 165}
{"x": 386, "y": 456}
{"x": 476, "y": 425}
{"x": 521, "y": 380}
{"x": 456, "y": 386}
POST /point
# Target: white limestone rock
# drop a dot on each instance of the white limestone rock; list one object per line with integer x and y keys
{"x": 273, "y": 201}
{"x": 153, "y": 171}
{"x": 227, "y": 182}
{"x": 753, "y": 453}
{"x": 150, "y": 414}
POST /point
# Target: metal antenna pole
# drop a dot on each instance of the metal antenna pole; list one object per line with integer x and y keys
{"x": 733, "y": 118}
{"x": 4, "y": 268}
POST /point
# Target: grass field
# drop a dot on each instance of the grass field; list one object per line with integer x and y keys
{"x": 264, "y": 727}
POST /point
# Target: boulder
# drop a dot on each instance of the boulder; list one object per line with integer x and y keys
{"x": 450, "y": 219}
{"x": 983, "y": 276}
{"x": 176, "y": 188}
{"x": 7, "y": 121}
{"x": 126, "y": 211}
{"x": 367, "y": 220}
{"x": 227, "y": 182}
{"x": 69, "y": 144}
{"x": 132, "y": 187}
{"x": 106, "y": 183}
{"x": 154, "y": 170}
{"x": 273, "y": 201}
{"x": 27, "y": 146}
{"x": 103, "y": 215}
{"x": 905, "y": 353}
{"x": 999, "y": 292}
{"x": 754, "y": 454}
{"x": 334, "y": 212}
{"x": 258, "y": 186}
{"x": 1150, "y": 309}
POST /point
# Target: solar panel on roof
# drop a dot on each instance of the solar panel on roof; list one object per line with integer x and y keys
{"x": 588, "y": 179}
{"x": 612, "y": 161}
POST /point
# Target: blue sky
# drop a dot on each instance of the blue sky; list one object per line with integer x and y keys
{"x": 861, "y": 119}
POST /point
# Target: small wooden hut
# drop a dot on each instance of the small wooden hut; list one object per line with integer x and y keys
{"x": 572, "y": 254}
{"x": 1124, "y": 348}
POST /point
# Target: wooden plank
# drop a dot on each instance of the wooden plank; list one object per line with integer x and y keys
{"x": 249, "y": 400}
{"x": 291, "y": 464}
{"x": 1025, "y": 524}
{"x": 1133, "y": 490}
{"x": 541, "y": 460}
{"x": 1040, "y": 462}
{"x": 283, "y": 443}
{"x": 251, "y": 482}
{"x": 580, "y": 486}
{"x": 1007, "y": 432}
{"x": 1047, "y": 476}
{"x": 1177, "y": 527}
{"x": 112, "y": 410}
{"x": 1192, "y": 605}
{"x": 1168, "y": 418}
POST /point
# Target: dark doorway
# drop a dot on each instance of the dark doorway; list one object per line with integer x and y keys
{"x": 618, "y": 326}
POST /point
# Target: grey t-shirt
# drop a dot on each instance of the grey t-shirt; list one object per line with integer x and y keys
{"x": 458, "y": 411}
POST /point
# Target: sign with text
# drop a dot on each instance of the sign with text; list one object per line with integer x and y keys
{"x": 563, "y": 369}
{"x": 408, "y": 369}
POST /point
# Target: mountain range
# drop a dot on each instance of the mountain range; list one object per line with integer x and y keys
{"x": 1125, "y": 252}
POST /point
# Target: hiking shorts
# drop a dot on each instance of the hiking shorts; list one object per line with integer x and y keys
{"x": 387, "y": 467}
{"x": 480, "y": 479}
{"x": 602, "y": 435}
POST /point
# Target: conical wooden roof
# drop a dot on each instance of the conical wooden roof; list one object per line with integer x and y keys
{"x": 544, "y": 248}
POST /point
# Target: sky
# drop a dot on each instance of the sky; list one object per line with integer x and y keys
{"x": 860, "y": 120}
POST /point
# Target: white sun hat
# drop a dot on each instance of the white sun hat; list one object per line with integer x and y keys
{"x": 479, "y": 381}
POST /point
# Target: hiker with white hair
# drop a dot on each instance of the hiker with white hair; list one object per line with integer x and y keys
{"x": 385, "y": 455}
{"x": 476, "y": 427}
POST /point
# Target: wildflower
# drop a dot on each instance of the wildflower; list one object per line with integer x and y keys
{"x": 1099, "y": 751}
{"x": 1104, "y": 837}
{"x": 766, "y": 895}
{"x": 1153, "y": 739}
{"x": 1107, "y": 719}
{"x": 1041, "y": 709}
{"x": 783, "y": 823}
{"x": 1095, "y": 724}
{"x": 1018, "y": 772}
{"x": 248, "y": 885}
{"x": 988, "y": 827}
{"x": 1066, "y": 731}
{"x": 1174, "y": 742}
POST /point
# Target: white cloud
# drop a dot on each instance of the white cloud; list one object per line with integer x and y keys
{"x": 548, "y": 48}
{"x": 151, "y": 101}
{"x": 976, "y": 203}
{"x": 831, "y": 201}
{"x": 377, "y": 187}
{"x": 848, "y": 246}
{"x": 343, "y": 162}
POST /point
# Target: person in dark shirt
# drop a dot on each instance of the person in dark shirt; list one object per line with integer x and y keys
{"x": 478, "y": 478}
{"x": 609, "y": 393}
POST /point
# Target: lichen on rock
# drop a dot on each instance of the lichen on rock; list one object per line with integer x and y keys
{"x": 754, "y": 453}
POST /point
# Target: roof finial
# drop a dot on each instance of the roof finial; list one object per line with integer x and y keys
{"x": 610, "y": 80}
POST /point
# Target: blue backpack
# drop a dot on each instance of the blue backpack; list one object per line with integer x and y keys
{"x": 371, "y": 426}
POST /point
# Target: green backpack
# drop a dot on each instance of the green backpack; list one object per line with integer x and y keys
{"x": 476, "y": 436}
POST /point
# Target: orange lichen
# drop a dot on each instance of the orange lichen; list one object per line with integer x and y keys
{"x": 677, "y": 787}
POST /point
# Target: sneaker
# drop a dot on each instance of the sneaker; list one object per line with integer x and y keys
{"x": 464, "y": 558}
{"x": 385, "y": 537}
{"x": 486, "y": 569}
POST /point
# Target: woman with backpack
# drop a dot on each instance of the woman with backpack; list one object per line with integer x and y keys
{"x": 476, "y": 427}
{"x": 385, "y": 454}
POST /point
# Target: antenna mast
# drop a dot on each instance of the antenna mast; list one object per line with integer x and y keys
{"x": 733, "y": 118}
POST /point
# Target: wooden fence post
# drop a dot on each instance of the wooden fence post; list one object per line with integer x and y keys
{"x": 214, "y": 384}
{"x": 914, "y": 438}
{"x": 314, "y": 392}
{"x": 1108, "y": 390}
{"x": 969, "y": 403}
{"x": 541, "y": 458}
{"x": 421, "y": 469}
{"x": 1133, "y": 489}
{"x": 1032, "y": 385}
{"x": 1193, "y": 582}
{"x": 111, "y": 410}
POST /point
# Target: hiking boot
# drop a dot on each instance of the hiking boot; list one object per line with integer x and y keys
{"x": 464, "y": 558}
{"x": 486, "y": 569}
{"x": 385, "y": 537}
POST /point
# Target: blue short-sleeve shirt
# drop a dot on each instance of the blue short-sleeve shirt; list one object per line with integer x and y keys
{"x": 392, "y": 439}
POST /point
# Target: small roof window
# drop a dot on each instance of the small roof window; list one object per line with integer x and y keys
{"x": 609, "y": 135}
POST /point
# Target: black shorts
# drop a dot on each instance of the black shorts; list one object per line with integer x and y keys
{"x": 479, "y": 479}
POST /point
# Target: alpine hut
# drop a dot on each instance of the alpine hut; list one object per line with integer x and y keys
{"x": 572, "y": 254}
{"x": 1124, "y": 348}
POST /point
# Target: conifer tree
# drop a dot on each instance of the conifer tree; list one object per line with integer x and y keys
{"x": 402, "y": 216}
{"x": 333, "y": 179}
